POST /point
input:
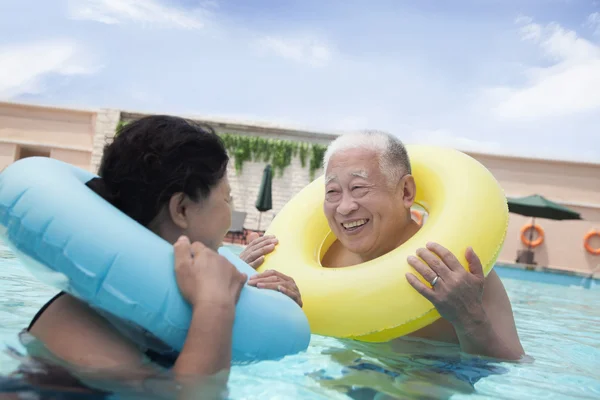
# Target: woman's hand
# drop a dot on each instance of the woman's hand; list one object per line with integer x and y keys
{"x": 275, "y": 280}
{"x": 457, "y": 294}
{"x": 212, "y": 285}
{"x": 257, "y": 248}
{"x": 205, "y": 276}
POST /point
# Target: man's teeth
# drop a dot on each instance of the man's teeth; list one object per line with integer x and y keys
{"x": 354, "y": 224}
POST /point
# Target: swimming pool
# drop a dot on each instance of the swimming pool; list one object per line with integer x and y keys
{"x": 558, "y": 324}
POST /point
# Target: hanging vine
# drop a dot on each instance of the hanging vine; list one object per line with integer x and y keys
{"x": 277, "y": 152}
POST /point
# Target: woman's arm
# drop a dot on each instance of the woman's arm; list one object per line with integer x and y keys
{"x": 75, "y": 333}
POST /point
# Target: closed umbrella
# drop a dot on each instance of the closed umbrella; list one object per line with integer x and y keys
{"x": 537, "y": 206}
{"x": 264, "y": 202}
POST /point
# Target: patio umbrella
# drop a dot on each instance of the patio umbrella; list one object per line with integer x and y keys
{"x": 264, "y": 202}
{"x": 537, "y": 206}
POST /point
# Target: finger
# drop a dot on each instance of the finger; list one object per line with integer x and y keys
{"x": 257, "y": 263}
{"x": 426, "y": 271}
{"x": 197, "y": 249}
{"x": 269, "y": 279}
{"x": 272, "y": 272}
{"x": 263, "y": 240}
{"x": 258, "y": 252}
{"x": 291, "y": 294}
{"x": 474, "y": 262}
{"x": 269, "y": 285}
{"x": 252, "y": 237}
{"x": 283, "y": 276}
{"x": 446, "y": 255}
{"x": 263, "y": 274}
{"x": 183, "y": 254}
{"x": 420, "y": 287}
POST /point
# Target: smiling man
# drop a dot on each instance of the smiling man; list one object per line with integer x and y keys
{"x": 368, "y": 196}
{"x": 369, "y": 191}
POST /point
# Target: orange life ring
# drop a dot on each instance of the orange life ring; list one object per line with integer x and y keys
{"x": 535, "y": 242}
{"x": 588, "y": 246}
{"x": 418, "y": 215}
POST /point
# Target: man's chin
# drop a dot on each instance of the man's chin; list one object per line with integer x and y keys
{"x": 354, "y": 245}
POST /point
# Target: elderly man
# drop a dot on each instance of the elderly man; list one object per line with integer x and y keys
{"x": 368, "y": 195}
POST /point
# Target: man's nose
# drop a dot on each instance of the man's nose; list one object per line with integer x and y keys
{"x": 347, "y": 205}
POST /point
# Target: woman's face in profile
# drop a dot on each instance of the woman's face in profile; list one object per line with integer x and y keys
{"x": 210, "y": 219}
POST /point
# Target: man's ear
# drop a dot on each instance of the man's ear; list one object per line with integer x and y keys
{"x": 177, "y": 209}
{"x": 409, "y": 190}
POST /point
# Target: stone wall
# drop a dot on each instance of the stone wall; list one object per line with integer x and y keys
{"x": 106, "y": 124}
{"x": 245, "y": 186}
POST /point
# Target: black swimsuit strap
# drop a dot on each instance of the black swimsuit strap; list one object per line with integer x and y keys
{"x": 41, "y": 310}
{"x": 164, "y": 359}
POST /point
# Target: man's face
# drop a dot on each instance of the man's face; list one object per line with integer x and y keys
{"x": 364, "y": 211}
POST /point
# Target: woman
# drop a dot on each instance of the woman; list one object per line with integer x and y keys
{"x": 171, "y": 176}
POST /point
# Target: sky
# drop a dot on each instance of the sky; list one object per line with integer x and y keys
{"x": 516, "y": 77}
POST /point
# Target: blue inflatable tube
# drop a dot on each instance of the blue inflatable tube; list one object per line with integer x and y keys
{"x": 74, "y": 240}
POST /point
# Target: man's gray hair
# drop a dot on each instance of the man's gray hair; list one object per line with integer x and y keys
{"x": 393, "y": 157}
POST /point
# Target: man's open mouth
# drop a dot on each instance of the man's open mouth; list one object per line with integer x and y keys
{"x": 354, "y": 225}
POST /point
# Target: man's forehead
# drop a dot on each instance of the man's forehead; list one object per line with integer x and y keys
{"x": 360, "y": 173}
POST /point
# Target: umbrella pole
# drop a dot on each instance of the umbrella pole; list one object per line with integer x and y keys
{"x": 531, "y": 232}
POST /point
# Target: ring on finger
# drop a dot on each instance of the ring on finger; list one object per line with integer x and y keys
{"x": 434, "y": 281}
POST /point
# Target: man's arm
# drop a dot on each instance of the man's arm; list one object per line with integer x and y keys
{"x": 482, "y": 319}
{"x": 493, "y": 333}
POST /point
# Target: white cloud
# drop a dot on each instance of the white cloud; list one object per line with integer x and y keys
{"x": 304, "y": 50}
{"x": 570, "y": 85}
{"x": 22, "y": 66}
{"x": 141, "y": 11}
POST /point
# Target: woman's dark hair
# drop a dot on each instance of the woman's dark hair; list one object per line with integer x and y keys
{"x": 155, "y": 157}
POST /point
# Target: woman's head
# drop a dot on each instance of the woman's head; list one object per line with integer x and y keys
{"x": 169, "y": 175}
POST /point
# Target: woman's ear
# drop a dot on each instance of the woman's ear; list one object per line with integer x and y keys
{"x": 177, "y": 210}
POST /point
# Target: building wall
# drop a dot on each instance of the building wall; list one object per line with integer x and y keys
{"x": 575, "y": 185}
{"x": 78, "y": 137}
{"x": 29, "y": 130}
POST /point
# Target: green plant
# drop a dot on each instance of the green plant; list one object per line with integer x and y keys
{"x": 277, "y": 152}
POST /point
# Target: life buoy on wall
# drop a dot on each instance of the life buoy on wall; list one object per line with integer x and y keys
{"x": 535, "y": 242}
{"x": 586, "y": 242}
{"x": 418, "y": 216}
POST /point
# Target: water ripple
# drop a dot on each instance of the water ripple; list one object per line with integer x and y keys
{"x": 558, "y": 327}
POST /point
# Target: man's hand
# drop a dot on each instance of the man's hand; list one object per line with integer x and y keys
{"x": 457, "y": 294}
{"x": 275, "y": 280}
{"x": 258, "y": 247}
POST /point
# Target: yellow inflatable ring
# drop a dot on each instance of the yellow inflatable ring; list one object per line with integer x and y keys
{"x": 373, "y": 301}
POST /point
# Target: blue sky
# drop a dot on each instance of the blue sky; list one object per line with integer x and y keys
{"x": 515, "y": 77}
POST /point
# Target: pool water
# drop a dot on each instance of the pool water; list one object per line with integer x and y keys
{"x": 559, "y": 326}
